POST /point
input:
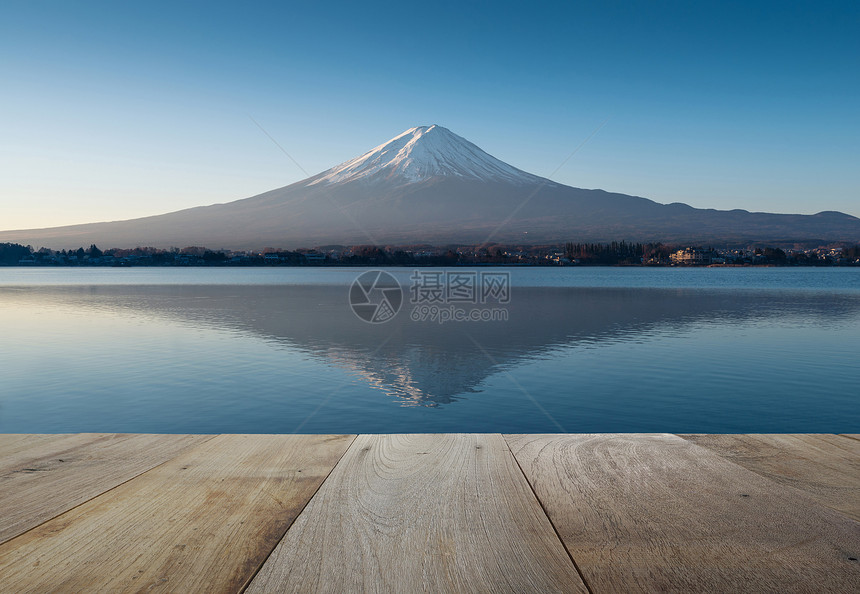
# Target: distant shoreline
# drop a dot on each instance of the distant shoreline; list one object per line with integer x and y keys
{"x": 429, "y": 265}
{"x": 616, "y": 253}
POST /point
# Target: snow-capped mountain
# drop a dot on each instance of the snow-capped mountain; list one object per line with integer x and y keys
{"x": 422, "y": 153}
{"x": 428, "y": 185}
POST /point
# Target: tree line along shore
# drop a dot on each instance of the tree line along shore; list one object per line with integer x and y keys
{"x": 616, "y": 253}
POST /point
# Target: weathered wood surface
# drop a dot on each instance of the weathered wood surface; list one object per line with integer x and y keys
{"x": 646, "y": 513}
{"x": 42, "y": 476}
{"x": 826, "y": 467}
{"x": 17, "y": 449}
{"x": 413, "y": 513}
{"x": 203, "y": 522}
{"x": 12, "y": 444}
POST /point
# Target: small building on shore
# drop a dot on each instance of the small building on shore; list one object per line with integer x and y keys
{"x": 691, "y": 256}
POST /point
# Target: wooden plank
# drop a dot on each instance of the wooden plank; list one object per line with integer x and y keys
{"x": 20, "y": 448}
{"x": 202, "y": 522}
{"x": 826, "y": 467}
{"x": 42, "y": 476}
{"x": 647, "y": 513}
{"x": 431, "y": 513}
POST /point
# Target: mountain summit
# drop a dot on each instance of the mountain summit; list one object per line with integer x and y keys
{"x": 429, "y": 185}
{"x": 422, "y": 153}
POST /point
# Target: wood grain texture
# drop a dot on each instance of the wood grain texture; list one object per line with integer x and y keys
{"x": 42, "y": 476}
{"x": 203, "y": 522}
{"x": 826, "y": 467}
{"x": 19, "y": 448}
{"x": 422, "y": 513}
{"x": 648, "y": 513}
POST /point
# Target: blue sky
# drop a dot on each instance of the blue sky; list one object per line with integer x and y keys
{"x": 113, "y": 110}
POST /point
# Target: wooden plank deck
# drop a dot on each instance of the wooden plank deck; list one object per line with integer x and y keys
{"x": 46, "y": 475}
{"x": 432, "y": 513}
{"x": 655, "y": 513}
{"x": 412, "y": 513}
{"x": 203, "y": 521}
{"x": 826, "y": 467}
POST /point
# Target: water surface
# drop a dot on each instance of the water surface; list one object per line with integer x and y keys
{"x": 279, "y": 350}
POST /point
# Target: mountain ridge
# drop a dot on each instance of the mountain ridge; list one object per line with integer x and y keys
{"x": 429, "y": 185}
{"x": 424, "y": 152}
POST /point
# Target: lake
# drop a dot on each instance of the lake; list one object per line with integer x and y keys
{"x": 281, "y": 350}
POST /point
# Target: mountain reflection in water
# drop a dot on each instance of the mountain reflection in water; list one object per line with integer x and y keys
{"x": 427, "y": 363}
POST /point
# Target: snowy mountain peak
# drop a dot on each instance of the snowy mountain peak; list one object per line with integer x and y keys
{"x": 422, "y": 153}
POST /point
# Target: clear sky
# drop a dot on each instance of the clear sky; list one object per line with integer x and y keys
{"x": 113, "y": 110}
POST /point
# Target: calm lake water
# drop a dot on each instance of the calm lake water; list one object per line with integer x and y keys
{"x": 280, "y": 350}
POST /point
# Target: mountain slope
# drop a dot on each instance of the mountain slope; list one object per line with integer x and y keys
{"x": 425, "y": 152}
{"x": 429, "y": 185}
